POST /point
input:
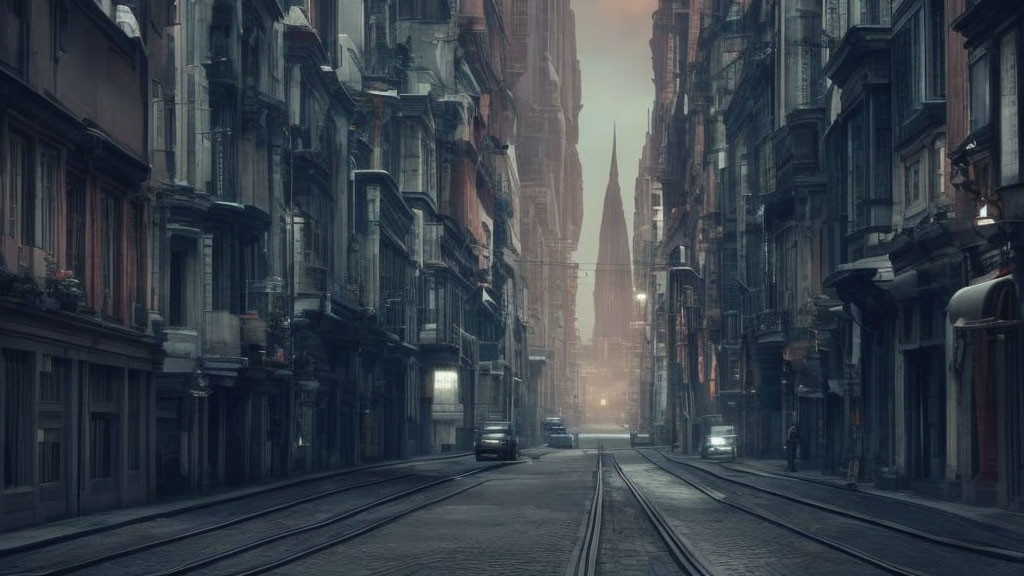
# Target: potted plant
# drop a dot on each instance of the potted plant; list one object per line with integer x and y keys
{"x": 20, "y": 287}
{"x": 65, "y": 289}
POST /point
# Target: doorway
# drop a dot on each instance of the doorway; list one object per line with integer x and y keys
{"x": 925, "y": 396}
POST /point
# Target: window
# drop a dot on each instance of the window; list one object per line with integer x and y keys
{"x": 12, "y": 17}
{"x": 936, "y": 50}
{"x": 74, "y": 198}
{"x": 912, "y": 183}
{"x": 54, "y": 376}
{"x": 856, "y": 165}
{"x": 101, "y": 439}
{"x": 49, "y": 455}
{"x": 49, "y": 175}
{"x": 20, "y": 187}
{"x": 17, "y": 405}
{"x": 159, "y": 124}
{"x": 520, "y": 17}
{"x": 137, "y": 254}
{"x": 980, "y": 92}
{"x": 908, "y": 50}
{"x": 1009, "y": 127}
{"x": 422, "y": 10}
{"x": 51, "y": 381}
{"x": 60, "y": 29}
{"x": 176, "y": 315}
{"x": 104, "y": 382}
{"x": 111, "y": 254}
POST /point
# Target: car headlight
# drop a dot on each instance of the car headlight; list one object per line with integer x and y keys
{"x": 718, "y": 441}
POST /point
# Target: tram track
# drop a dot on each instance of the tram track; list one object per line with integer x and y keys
{"x": 586, "y": 558}
{"x": 850, "y": 536}
{"x": 681, "y": 550}
{"x": 101, "y": 562}
{"x": 258, "y": 492}
{"x": 991, "y": 551}
{"x": 263, "y": 566}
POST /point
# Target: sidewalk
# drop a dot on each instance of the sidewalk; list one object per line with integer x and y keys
{"x": 70, "y": 528}
{"x": 998, "y": 517}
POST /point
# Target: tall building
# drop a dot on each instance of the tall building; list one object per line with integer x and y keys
{"x": 77, "y": 350}
{"x": 244, "y": 239}
{"x": 613, "y": 292}
{"x": 608, "y": 396}
{"x": 843, "y": 178}
{"x": 548, "y": 98}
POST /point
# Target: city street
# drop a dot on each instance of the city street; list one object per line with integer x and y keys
{"x": 453, "y": 515}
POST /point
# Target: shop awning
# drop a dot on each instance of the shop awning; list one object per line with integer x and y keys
{"x": 877, "y": 268}
{"x": 991, "y": 304}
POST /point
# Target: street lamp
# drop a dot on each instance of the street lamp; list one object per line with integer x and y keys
{"x": 641, "y": 297}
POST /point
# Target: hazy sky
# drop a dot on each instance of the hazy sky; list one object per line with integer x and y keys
{"x": 613, "y": 44}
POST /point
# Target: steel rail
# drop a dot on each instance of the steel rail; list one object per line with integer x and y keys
{"x": 255, "y": 493}
{"x": 221, "y": 556}
{"x": 833, "y": 544}
{"x": 292, "y": 558}
{"x": 586, "y": 559}
{"x": 205, "y": 529}
{"x": 682, "y": 552}
{"x": 991, "y": 551}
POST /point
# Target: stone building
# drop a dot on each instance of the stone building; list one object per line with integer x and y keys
{"x": 77, "y": 353}
{"x": 548, "y": 97}
{"x": 984, "y": 431}
{"x": 854, "y": 165}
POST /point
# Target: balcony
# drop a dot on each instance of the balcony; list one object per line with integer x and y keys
{"x": 435, "y": 332}
{"x": 253, "y": 335}
{"x": 220, "y": 72}
{"x": 181, "y": 347}
{"x": 221, "y": 334}
{"x": 771, "y": 325}
{"x": 490, "y": 352}
{"x": 795, "y": 151}
{"x": 394, "y": 313}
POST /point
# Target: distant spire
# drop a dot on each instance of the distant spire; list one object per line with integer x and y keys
{"x": 613, "y": 289}
{"x": 614, "y": 172}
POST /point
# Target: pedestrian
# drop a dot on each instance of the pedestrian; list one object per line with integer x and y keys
{"x": 792, "y": 441}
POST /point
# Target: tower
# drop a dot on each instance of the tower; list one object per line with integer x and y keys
{"x": 613, "y": 293}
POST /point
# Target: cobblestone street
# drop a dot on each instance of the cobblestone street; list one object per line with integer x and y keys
{"x": 456, "y": 516}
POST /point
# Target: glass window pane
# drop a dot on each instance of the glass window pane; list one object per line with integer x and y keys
{"x": 1009, "y": 149}
{"x": 980, "y": 93}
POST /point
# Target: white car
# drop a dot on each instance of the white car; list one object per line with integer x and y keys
{"x": 720, "y": 442}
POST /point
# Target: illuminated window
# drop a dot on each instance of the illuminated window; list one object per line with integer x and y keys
{"x": 446, "y": 387}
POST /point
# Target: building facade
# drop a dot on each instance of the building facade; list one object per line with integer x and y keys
{"x": 290, "y": 240}
{"x": 77, "y": 350}
{"x": 853, "y": 166}
{"x": 548, "y": 97}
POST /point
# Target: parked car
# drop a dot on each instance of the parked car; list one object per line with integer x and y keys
{"x": 560, "y": 438}
{"x": 551, "y": 422}
{"x": 497, "y": 440}
{"x": 721, "y": 441}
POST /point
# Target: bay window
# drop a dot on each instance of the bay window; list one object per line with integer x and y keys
{"x": 980, "y": 91}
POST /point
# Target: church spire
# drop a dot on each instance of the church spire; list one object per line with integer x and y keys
{"x": 613, "y": 290}
{"x": 614, "y": 172}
